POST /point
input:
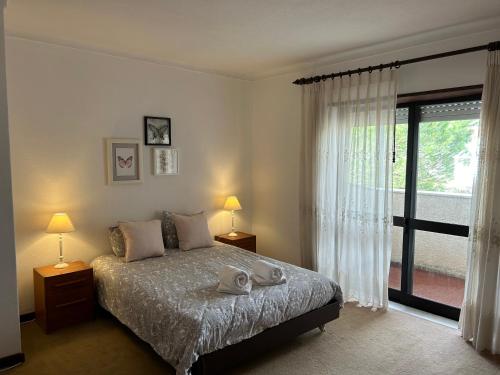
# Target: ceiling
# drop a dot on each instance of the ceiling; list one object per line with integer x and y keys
{"x": 241, "y": 38}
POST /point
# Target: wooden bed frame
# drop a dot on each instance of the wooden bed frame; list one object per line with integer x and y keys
{"x": 223, "y": 359}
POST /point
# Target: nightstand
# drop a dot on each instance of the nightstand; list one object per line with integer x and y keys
{"x": 63, "y": 296}
{"x": 244, "y": 240}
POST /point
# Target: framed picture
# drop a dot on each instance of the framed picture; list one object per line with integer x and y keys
{"x": 124, "y": 157}
{"x": 157, "y": 131}
{"x": 165, "y": 161}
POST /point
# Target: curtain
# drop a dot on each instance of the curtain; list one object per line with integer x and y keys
{"x": 346, "y": 182}
{"x": 480, "y": 317}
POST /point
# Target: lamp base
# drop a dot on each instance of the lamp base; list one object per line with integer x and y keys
{"x": 61, "y": 265}
{"x": 233, "y": 234}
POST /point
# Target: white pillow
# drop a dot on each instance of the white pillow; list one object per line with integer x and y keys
{"x": 143, "y": 239}
{"x": 192, "y": 231}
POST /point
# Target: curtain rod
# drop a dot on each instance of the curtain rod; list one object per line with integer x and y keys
{"x": 493, "y": 46}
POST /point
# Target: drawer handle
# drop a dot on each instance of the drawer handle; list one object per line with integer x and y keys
{"x": 75, "y": 302}
{"x": 69, "y": 283}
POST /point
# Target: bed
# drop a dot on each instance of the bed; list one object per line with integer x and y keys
{"x": 171, "y": 302}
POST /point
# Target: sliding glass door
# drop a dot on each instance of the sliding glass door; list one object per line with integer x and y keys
{"x": 433, "y": 175}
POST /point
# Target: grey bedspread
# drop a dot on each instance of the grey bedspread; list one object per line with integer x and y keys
{"x": 171, "y": 302}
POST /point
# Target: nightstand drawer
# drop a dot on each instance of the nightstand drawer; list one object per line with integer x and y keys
{"x": 68, "y": 282}
{"x": 77, "y": 291}
{"x": 72, "y": 303}
{"x": 71, "y": 312}
{"x": 67, "y": 288}
{"x": 69, "y": 285}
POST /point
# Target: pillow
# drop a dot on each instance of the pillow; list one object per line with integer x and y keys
{"x": 117, "y": 241}
{"x": 142, "y": 239}
{"x": 192, "y": 231}
{"x": 170, "y": 240}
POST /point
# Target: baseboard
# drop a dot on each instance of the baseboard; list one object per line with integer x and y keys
{"x": 28, "y": 317}
{"x": 11, "y": 361}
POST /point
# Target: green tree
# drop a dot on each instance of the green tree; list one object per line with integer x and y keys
{"x": 440, "y": 143}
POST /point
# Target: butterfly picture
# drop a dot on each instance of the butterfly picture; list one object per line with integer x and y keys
{"x": 157, "y": 131}
{"x": 124, "y": 160}
{"x": 125, "y": 163}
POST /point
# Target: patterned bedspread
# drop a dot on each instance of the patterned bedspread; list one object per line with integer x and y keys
{"x": 171, "y": 302}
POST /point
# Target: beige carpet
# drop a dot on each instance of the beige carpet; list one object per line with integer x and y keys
{"x": 359, "y": 342}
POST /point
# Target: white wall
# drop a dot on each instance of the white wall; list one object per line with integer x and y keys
{"x": 275, "y": 124}
{"x": 63, "y": 102}
{"x": 10, "y": 337}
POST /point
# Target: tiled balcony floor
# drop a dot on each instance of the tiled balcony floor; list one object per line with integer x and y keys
{"x": 430, "y": 285}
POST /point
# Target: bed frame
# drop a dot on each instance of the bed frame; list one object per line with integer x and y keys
{"x": 221, "y": 360}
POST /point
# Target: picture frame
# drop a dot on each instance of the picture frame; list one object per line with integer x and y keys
{"x": 124, "y": 160}
{"x": 165, "y": 161}
{"x": 157, "y": 131}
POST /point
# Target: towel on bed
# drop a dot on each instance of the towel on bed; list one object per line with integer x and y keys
{"x": 233, "y": 280}
{"x": 266, "y": 273}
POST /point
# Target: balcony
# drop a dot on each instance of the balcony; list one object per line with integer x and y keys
{"x": 439, "y": 260}
{"x": 431, "y": 285}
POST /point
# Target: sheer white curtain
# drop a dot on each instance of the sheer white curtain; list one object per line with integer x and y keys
{"x": 346, "y": 182}
{"x": 480, "y": 318}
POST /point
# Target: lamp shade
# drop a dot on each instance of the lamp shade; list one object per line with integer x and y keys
{"x": 232, "y": 203}
{"x": 60, "y": 223}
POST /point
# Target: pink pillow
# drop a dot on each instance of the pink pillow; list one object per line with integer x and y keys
{"x": 143, "y": 239}
{"x": 192, "y": 231}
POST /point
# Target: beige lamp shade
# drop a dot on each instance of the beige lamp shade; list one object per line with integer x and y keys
{"x": 232, "y": 203}
{"x": 60, "y": 223}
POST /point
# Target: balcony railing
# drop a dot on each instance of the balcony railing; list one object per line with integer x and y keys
{"x": 439, "y": 259}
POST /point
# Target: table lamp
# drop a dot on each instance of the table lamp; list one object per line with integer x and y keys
{"x": 232, "y": 204}
{"x": 60, "y": 223}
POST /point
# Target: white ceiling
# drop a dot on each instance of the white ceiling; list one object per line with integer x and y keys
{"x": 241, "y": 38}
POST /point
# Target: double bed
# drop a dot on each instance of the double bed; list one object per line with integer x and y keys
{"x": 171, "y": 302}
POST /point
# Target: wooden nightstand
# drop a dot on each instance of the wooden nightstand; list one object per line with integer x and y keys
{"x": 63, "y": 296}
{"x": 244, "y": 240}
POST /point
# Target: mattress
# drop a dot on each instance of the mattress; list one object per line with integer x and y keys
{"x": 171, "y": 301}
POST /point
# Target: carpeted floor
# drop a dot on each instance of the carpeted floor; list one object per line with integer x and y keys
{"x": 359, "y": 342}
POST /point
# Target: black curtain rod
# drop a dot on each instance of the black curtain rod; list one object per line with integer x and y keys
{"x": 493, "y": 46}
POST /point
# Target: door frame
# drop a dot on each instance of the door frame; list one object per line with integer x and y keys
{"x": 408, "y": 222}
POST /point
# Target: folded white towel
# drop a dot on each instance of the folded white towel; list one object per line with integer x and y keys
{"x": 233, "y": 280}
{"x": 265, "y": 273}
